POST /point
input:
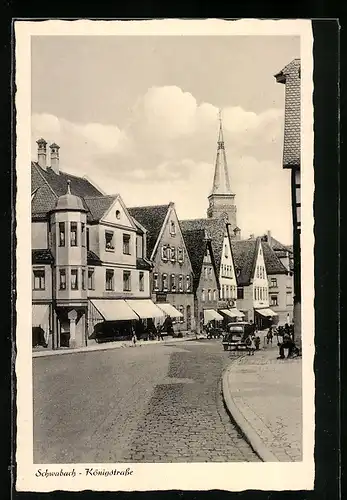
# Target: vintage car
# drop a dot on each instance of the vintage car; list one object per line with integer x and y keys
{"x": 234, "y": 340}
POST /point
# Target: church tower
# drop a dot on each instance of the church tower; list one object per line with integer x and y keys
{"x": 222, "y": 200}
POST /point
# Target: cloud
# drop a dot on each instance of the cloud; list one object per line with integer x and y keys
{"x": 166, "y": 152}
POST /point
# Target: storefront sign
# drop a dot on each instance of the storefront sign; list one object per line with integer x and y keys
{"x": 161, "y": 297}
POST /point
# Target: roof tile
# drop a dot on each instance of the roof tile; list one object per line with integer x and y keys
{"x": 151, "y": 218}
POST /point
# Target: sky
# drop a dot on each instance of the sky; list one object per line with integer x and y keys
{"x": 139, "y": 117}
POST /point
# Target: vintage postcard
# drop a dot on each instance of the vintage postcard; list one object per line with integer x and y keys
{"x": 164, "y": 255}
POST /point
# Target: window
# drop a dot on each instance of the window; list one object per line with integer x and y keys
{"x": 226, "y": 251}
{"x": 289, "y": 299}
{"x": 83, "y": 279}
{"x": 215, "y": 295}
{"x": 240, "y": 295}
{"x": 180, "y": 254}
{"x": 164, "y": 281}
{"x": 109, "y": 245}
{"x": 39, "y": 279}
{"x": 61, "y": 234}
{"x": 87, "y": 238}
{"x": 126, "y": 244}
{"x": 74, "y": 279}
{"x": 180, "y": 283}
{"x": 83, "y": 234}
{"x": 172, "y": 228}
{"x": 203, "y": 298}
{"x": 118, "y": 214}
{"x": 141, "y": 281}
{"x": 257, "y": 271}
{"x": 273, "y": 282}
{"x": 209, "y": 295}
{"x": 205, "y": 272}
{"x": 210, "y": 272}
{"x": 173, "y": 282}
{"x": 188, "y": 283}
{"x": 73, "y": 234}
{"x": 164, "y": 253}
{"x": 181, "y": 310}
{"x": 62, "y": 279}
{"x": 223, "y": 292}
{"x": 173, "y": 254}
{"x": 90, "y": 279}
{"x": 274, "y": 300}
{"x": 109, "y": 285}
{"x": 126, "y": 281}
{"x": 155, "y": 281}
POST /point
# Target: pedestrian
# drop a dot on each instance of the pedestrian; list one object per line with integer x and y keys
{"x": 286, "y": 344}
{"x": 250, "y": 346}
{"x": 133, "y": 336}
{"x": 269, "y": 336}
{"x": 257, "y": 342}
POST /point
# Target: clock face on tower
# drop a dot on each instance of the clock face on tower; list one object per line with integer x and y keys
{"x": 224, "y": 216}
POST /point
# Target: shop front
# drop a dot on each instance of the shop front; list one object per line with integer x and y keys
{"x": 41, "y": 326}
{"x": 232, "y": 315}
{"x": 264, "y": 318}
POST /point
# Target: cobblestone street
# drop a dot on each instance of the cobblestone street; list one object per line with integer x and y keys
{"x": 161, "y": 403}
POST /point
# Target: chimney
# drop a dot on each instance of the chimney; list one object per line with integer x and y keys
{"x": 269, "y": 239}
{"x": 55, "y": 157}
{"x": 41, "y": 153}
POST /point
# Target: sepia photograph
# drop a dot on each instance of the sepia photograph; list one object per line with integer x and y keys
{"x": 162, "y": 238}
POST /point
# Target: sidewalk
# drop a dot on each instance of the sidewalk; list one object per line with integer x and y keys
{"x": 107, "y": 346}
{"x": 263, "y": 395}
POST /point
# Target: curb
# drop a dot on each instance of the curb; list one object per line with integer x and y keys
{"x": 107, "y": 347}
{"x": 250, "y": 434}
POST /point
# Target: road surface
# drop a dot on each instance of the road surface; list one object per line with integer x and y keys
{"x": 158, "y": 403}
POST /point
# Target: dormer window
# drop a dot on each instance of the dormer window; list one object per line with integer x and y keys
{"x": 109, "y": 243}
{"x": 172, "y": 228}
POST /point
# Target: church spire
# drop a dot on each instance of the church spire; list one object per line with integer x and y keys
{"x": 221, "y": 181}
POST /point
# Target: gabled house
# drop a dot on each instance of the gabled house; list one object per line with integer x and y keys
{"x": 172, "y": 275}
{"x": 252, "y": 281}
{"x": 206, "y": 278}
{"x": 278, "y": 263}
{"x": 88, "y": 257}
{"x": 219, "y": 234}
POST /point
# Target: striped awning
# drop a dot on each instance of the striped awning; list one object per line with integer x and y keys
{"x": 40, "y": 316}
{"x": 210, "y": 315}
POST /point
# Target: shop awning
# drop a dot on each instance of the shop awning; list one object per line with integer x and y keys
{"x": 170, "y": 310}
{"x": 114, "y": 309}
{"x": 210, "y": 315}
{"x": 40, "y": 315}
{"x": 231, "y": 313}
{"x": 239, "y": 314}
{"x": 145, "y": 308}
{"x": 266, "y": 312}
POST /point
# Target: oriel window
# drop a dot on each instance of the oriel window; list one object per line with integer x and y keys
{"x": 39, "y": 279}
{"x": 109, "y": 280}
{"x": 126, "y": 281}
{"x": 61, "y": 234}
{"x": 73, "y": 234}
{"x": 62, "y": 279}
{"x": 74, "y": 279}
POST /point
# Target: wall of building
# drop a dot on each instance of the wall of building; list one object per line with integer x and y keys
{"x": 204, "y": 300}
{"x": 116, "y": 255}
{"x": 187, "y": 301}
{"x": 284, "y": 295}
{"x": 227, "y": 277}
{"x": 246, "y": 305}
{"x": 46, "y": 294}
{"x": 260, "y": 282}
{"x": 39, "y": 235}
{"x": 100, "y": 291}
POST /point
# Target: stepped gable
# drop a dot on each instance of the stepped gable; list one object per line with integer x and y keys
{"x": 272, "y": 262}
{"x": 215, "y": 229}
{"x": 152, "y": 219}
{"x": 245, "y": 256}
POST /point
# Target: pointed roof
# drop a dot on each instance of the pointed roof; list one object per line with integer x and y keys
{"x": 245, "y": 253}
{"x": 98, "y": 206}
{"x": 151, "y": 218}
{"x": 221, "y": 181}
{"x": 197, "y": 243}
{"x": 272, "y": 262}
{"x": 215, "y": 230}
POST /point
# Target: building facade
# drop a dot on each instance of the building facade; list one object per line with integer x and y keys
{"x": 206, "y": 281}
{"x": 290, "y": 76}
{"x": 88, "y": 257}
{"x": 252, "y": 280}
{"x": 172, "y": 274}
